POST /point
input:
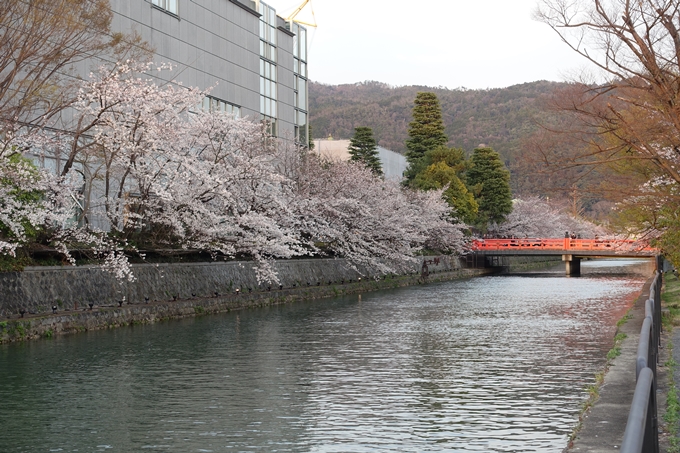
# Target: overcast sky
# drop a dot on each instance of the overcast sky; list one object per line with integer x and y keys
{"x": 450, "y": 43}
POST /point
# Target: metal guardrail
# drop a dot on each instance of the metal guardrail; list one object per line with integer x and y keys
{"x": 642, "y": 428}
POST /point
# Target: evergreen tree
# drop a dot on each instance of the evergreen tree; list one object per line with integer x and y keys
{"x": 426, "y": 131}
{"x": 443, "y": 167}
{"x": 489, "y": 181}
{"x": 363, "y": 148}
{"x": 310, "y": 139}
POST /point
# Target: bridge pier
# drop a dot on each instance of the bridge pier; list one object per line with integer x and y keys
{"x": 573, "y": 264}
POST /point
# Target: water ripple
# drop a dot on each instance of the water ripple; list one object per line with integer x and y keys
{"x": 493, "y": 364}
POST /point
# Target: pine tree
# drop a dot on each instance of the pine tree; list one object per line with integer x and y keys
{"x": 363, "y": 148}
{"x": 426, "y": 131}
{"x": 489, "y": 181}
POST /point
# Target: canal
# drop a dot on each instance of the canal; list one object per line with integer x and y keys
{"x": 490, "y": 364}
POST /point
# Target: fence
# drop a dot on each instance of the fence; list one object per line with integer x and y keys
{"x": 642, "y": 429}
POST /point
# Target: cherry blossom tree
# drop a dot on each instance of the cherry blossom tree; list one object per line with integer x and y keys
{"x": 163, "y": 173}
{"x": 372, "y": 222}
{"x": 39, "y": 205}
{"x": 173, "y": 175}
{"x": 535, "y": 217}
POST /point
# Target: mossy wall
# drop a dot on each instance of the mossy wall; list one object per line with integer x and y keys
{"x": 37, "y": 289}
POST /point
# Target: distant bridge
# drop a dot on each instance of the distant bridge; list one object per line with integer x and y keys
{"x": 571, "y": 250}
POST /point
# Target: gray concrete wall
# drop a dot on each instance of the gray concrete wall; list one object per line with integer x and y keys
{"x": 393, "y": 163}
{"x": 210, "y": 43}
{"x": 37, "y": 289}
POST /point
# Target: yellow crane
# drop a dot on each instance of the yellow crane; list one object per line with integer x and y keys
{"x": 291, "y": 17}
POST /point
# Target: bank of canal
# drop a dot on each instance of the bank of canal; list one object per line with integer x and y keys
{"x": 107, "y": 316}
{"x": 496, "y": 363}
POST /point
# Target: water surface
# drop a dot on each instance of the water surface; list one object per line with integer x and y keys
{"x": 491, "y": 364}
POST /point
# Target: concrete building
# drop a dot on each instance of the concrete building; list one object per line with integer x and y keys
{"x": 393, "y": 163}
{"x": 254, "y": 59}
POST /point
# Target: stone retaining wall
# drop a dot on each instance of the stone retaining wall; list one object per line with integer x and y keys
{"x": 37, "y": 289}
{"x": 523, "y": 263}
{"x": 168, "y": 291}
{"x": 33, "y": 326}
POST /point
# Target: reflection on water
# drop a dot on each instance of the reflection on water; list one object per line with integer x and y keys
{"x": 487, "y": 364}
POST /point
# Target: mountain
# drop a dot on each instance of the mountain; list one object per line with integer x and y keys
{"x": 499, "y": 117}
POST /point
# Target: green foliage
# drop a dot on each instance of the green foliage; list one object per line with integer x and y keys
{"x": 671, "y": 300}
{"x": 672, "y": 415}
{"x": 624, "y": 320}
{"x": 20, "y": 329}
{"x": 16, "y": 164}
{"x": 659, "y": 213}
{"x": 442, "y": 167}
{"x": 363, "y": 148}
{"x": 489, "y": 181}
{"x": 615, "y": 351}
{"x": 501, "y": 117}
{"x": 426, "y": 131}
{"x": 14, "y": 263}
{"x": 669, "y": 242}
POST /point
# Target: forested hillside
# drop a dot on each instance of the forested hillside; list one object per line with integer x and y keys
{"x": 499, "y": 118}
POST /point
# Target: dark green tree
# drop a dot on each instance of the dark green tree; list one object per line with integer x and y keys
{"x": 489, "y": 181}
{"x": 426, "y": 131}
{"x": 310, "y": 141}
{"x": 363, "y": 148}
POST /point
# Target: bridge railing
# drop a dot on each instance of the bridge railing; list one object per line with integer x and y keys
{"x": 642, "y": 428}
{"x": 562, "y": 244}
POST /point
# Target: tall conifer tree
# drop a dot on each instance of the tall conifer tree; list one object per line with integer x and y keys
{"x": 426, "y": 131}
{"x": 363, "y": 148}
{"x": 489, "y": 181}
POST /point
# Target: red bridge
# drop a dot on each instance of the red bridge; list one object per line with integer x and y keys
{"x": 572, "y": 250}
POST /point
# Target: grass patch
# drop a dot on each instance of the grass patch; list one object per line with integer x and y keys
{"x": 670, "y": 299}
{"x": 615, "y": 351}
{"x": 624, "y": 320}
{"x": 672, "y": 415}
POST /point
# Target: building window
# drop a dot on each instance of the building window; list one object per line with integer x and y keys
{"x": 268, "y": 88}
{"x": 270, "y": 124}
{"x": 268, "y": 85}
{"x": 168, "y": 5}
{"x": 300, "y": 83}
{"x": 213, "y": 104}
{"x": 267, "y": 23}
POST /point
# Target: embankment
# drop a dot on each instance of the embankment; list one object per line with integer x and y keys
{"x": 45, "y": 301}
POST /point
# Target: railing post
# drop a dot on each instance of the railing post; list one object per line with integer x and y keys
{"x": 655, "y": 295}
